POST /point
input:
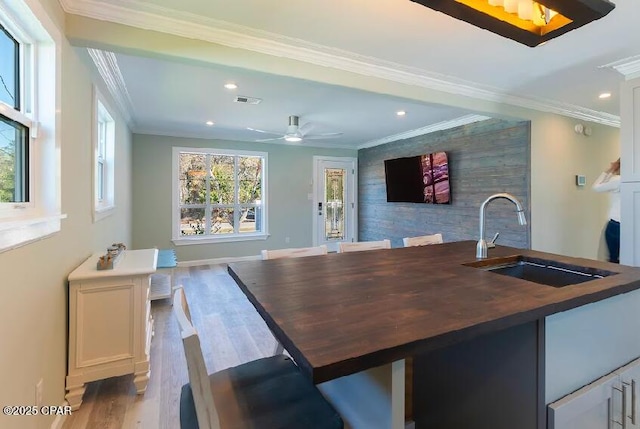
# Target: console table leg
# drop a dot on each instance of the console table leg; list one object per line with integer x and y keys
{"x": 74, "y": 396}
{"x": 141, "y": 380}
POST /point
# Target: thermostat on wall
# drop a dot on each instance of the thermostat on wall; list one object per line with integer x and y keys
{"x": 581, "y": 180}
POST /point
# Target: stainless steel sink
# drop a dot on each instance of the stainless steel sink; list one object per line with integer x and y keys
{"x": 542, "y": 271}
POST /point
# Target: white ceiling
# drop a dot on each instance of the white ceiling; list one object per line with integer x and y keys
{"x": 178, "y": 99}
{"x": 398, "y": 37}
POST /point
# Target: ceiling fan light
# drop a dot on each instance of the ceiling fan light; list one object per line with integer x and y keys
{"x": 293, "y": 138}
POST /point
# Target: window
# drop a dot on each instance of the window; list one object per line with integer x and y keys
{"x": 218, "y": 195}
{"x": 104, "y": 151}
{"x": 30, "y": 193}
{"x": 14, "y": 125}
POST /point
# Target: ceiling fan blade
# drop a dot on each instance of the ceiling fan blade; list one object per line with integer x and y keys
{"x": 263, "y": 131}
{"x": 269, "y": 140}
{"x": 304, "y": 129}
{"x": 323, "y": 136}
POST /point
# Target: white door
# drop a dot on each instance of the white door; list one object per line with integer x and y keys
{"x": 334, "y": 200}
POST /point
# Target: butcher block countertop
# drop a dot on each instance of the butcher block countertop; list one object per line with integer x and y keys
{"x": 338, "y": 314}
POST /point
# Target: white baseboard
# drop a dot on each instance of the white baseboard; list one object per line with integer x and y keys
{"x": 60, "y": 418}
{"x": 215, "y": 261}
{"x": 410, "y": 425}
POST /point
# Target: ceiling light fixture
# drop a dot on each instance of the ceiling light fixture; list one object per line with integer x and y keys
{"x": 525, "y": 21}
{"x": 210, "y": 123}
{"x": 401, "y": 113}
{"x": 231, "y": 85}
{"x": 293, "y": 130}
{"x": 605, "y": 95}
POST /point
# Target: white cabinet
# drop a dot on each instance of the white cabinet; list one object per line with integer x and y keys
{"x": 630, "y": 172}
{"x": 630, "y": 225}
{"x": 630, "y": 130}
{"x": 610, "y": 402}
{"x": 630, "y": 382}
{"x": 110, "y": 323}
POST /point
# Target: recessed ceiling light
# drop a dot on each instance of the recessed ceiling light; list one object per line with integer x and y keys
{"x": 401, "y": 113}
{"x": 230, "y": 85}
{"x": 605, "y": 95}
{"x": 210, "y": 123}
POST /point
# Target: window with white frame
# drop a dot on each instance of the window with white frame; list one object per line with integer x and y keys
{"x": 30, "y": 191}
{"x": 14, "y": 124}
{"x": 104, "y": 151}
{"x": 218, "y": 195}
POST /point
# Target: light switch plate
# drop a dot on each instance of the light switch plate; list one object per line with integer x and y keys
{"x": 581, "y": 180}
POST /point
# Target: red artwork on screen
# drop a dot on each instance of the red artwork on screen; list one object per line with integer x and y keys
{"x": 435, "y": 177}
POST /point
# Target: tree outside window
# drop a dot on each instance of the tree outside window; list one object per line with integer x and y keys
{"x": 220, "y": 194}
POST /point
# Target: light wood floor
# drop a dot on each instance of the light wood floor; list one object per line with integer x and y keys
{"x": 231, "y": 332}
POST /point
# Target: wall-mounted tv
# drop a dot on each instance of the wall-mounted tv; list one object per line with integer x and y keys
{"x": 418, "y": 179}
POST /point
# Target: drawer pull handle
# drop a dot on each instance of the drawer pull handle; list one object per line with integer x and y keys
{"x": 622, "y": 390}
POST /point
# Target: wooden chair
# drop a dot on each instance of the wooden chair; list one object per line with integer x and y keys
{"x": 423, "y": 240}
{"x": 360, "y": 246}
{"x": 265, "y": 393}
{"x": 294, "y": 252}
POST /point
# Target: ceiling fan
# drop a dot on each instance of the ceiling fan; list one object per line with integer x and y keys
{"x": 296, "y": 133}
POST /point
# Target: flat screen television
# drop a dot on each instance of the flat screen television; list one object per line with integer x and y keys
{"x": 418, "y": 179}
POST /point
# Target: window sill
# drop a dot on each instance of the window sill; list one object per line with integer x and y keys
{"x": 183, "y": 241}
{"x": 18, "y": 233}
{"x": 103, "y": 212}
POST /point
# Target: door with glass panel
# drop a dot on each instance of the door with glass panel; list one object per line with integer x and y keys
{"x": 335, "y": 201}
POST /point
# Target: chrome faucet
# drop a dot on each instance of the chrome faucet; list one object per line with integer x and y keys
{"x": 481, "y": 247}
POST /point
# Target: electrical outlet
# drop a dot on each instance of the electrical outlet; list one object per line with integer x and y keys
{"x": 39, "y": 388}
{"x": 286, "y": 239}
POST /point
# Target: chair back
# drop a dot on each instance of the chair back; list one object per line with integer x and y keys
{"x": 294, "y": 252}
{"x": 363, "y": 245}
{"x": 423, "y": 240}
{"x": 198, "y": 377}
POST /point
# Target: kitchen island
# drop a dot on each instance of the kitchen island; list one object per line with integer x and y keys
{"x": 340, "y": 314}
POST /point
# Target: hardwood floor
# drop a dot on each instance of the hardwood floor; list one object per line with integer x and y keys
{"x": 231, "y": 332}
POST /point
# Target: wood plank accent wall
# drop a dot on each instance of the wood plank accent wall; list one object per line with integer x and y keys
{"x": 484, "y": 158}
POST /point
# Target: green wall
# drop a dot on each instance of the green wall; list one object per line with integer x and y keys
{"x": 289, "y": 181}
{"x": 33, "y": 285}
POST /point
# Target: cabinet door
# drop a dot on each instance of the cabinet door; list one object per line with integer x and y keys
{"x": 630, "y": 224}
{"x": 595, "y": 406}
{"x": 630, "y": 130}
{"x": 630, "y": 381}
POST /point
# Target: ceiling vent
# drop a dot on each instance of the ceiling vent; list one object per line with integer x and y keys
{"x": 247, "y": 100}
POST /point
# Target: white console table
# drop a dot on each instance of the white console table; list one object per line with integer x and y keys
{"x": 110, "y": 323}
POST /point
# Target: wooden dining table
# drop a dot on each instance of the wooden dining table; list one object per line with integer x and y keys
{"x": 341, "y": 314}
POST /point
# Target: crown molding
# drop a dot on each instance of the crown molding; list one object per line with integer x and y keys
{"x": 444, "y": 125}
{"x": 628, "y": 67}
{"x": 107, "y": 66}
{"x": 157, "y": 18}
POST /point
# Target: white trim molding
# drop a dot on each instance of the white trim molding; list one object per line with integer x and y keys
{"x": 628, "y": 67}
{"x": 444, "y": 125}
{"x": 170, "y": 21}
{"x": 58, "y": 422}
{"x": 216, "y": 261}
{"x": 107, "y": 66}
